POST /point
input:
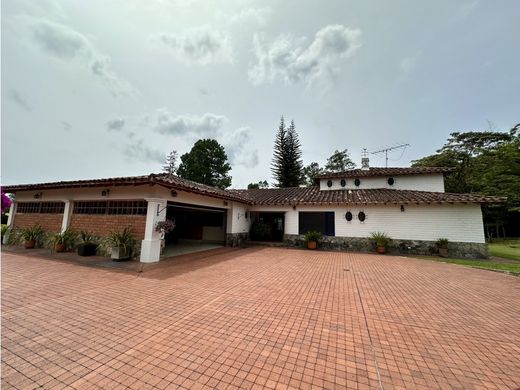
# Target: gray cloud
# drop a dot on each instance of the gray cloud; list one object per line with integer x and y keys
{"x": 66, "y": 126}
{"x": 237, "y": 145}
{"x": 16, "y": 97}
{"x": 200, "y": 46}
{"x": 67, "y": 44}
{"x": 115, "y": 124}
{"x": 292, "y": 60}
{"x": 137, "y": 150}
{"x": 408, "y": 64}
{"x": 206, "y": 125}
{"x": 246, "y": 16}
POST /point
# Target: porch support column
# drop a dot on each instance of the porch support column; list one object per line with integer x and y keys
{"x": 10, "y": 221}
{"x": 66, "y": 216}
{"x": 151, "y": 245}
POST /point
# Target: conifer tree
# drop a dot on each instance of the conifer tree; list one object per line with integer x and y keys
{"x": 287, "y": 165}
{"x": 170, "y": 166}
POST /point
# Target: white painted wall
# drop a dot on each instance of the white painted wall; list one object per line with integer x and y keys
{"x": 237, "y": 221}
{"x": 434, "y": 182}
{"x": 461, "y": 223}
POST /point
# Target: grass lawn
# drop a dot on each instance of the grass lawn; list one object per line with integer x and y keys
{"x": 508, "y": 248}
{"x": 512, "y": 267}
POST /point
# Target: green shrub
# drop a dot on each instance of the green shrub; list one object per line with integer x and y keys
{"x": 313, "y": 235}
{"x": 67, "y": 238}
{"x": 380, "y": 239}
{"x": 122, "y": 239}
{"x": 4, "y": 230}
{"x": 442, "y": 242}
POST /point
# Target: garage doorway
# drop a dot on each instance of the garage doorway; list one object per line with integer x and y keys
{"x": 197, "y": 229}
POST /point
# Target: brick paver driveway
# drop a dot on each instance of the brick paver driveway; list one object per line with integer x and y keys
{"x": 260, "y": 318}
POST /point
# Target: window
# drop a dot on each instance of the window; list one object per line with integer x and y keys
{"x": 112, "y": 207}
{"x": 322, "y": 222}
{"x": 127, "y": 207}
{"x": 90, "y": 207}
{"x": 357, "y": 182}
{"x": 329, "y": 183}
{"x": 391, "y": 181}
{"x": 348, "y": 216}
{"x": 343, "y": 182}
{"x": 362, "y": 216}
{"x": 40, "y": 207}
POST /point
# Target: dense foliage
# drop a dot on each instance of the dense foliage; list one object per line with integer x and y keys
{"x": 339, "y": 161}
{"x": 206, "y": 163}
{"x": 260, "y": 184}
{"x": 287, "y": 165}
{"x": 487, "y": 163}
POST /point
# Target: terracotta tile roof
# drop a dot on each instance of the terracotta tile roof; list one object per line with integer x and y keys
{"x": 272, "y": 196}
{"x": 386, "y": 172}
{"x": 313, "y": 196}
{"x": 163, "y": 179}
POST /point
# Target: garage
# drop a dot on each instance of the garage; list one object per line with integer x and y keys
{"x": 197, "y": 229}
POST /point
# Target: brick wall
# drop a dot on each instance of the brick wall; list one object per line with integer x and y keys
{"x": 49, "y": 222}
{"x": 102, "y": 225}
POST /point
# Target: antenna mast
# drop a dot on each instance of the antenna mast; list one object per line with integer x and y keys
{"x": 386, "y": 150}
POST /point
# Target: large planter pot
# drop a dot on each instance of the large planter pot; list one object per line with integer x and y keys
{"x": 87, "y": 249}
{"x": 30, "y": 244}
{"x": 312, "y": 244}
{"x": 443, "y": 252}
{"x": 120, "y": 253}
{"x": 381, "y": 250}
{"x": 59, "y": 247}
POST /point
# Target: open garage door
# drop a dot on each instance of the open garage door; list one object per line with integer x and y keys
{"x": 197, "y": 228}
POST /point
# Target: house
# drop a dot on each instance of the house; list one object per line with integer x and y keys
{"x": 408, "y": 204}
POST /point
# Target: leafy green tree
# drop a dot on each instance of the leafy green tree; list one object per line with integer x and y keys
{"x": 287, "y": 164}
{"x": 487, "y": 163}
{"x": 206, "y": 163}
{"x": 311, "y": 171}
{"x": 170, "y": 166}
{"x": 260, "y": 184}
{"x": 340, "y": 161}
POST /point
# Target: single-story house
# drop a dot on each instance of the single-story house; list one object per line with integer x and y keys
{"x": 408, "y": 204}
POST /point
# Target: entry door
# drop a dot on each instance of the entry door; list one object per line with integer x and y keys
{"x": 329, "y": 224}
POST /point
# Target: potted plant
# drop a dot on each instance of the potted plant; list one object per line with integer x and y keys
{"x": 442, "y": 246}
{"x": 64, "y": 240}
{"x": 381, "y": 240}
{"x": 120, "y": 244}
{"x": 31, "y": 235}
{"x": 88, "y": 244}
{"x": 312, "y": 238}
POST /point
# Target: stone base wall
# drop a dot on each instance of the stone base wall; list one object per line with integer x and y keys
{"x": 471, "y": 250}
{"x": 236, "y": 239}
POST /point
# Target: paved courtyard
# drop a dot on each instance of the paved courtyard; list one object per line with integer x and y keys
{"x": 259, "y": 318}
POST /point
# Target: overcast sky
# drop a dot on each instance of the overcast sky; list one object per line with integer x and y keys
{"x": 107, "y": 88}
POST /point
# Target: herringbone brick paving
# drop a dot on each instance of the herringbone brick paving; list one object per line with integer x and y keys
{"x": 259, "y": 318}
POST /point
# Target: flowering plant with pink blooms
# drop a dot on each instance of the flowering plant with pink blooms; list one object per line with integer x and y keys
{"x": 6, "y": 202}
{"x": 165, "y": 227}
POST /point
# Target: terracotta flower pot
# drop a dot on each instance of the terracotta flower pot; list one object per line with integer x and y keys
{"x": 312, "y": 244}
{"x": 381, "y": 250}
{"x": 30, "y": 244}
{"x": 443, "y": 252}
{"x": 59, "y": 247}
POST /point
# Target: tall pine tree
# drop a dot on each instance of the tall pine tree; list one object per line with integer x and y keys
{"x": 287, "y": 165}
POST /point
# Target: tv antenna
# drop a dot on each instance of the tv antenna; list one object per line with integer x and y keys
{"x": 386, "y": 150}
